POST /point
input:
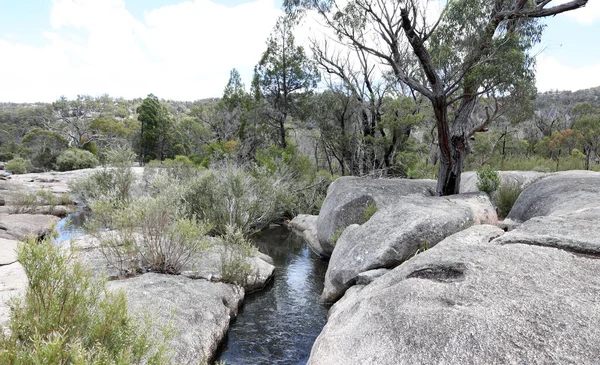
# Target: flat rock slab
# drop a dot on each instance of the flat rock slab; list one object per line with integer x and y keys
{"x": 348, "y": 197}
{"x": 20, "y": 226}
{"x": 198, "y": 310}
{"x": 8, "y": 254}
{"x": 471, "y": 301}
{"x": 560, "y": 193}
{"x": 398, "y": 232}
{"x": 13, "y": 282}
{"x": 578, "y": 232}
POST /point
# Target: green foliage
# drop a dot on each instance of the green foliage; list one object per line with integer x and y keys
{"x": 18, "y": 166}
{"x": 113, "y": 184}
{"x": 505, "y": 198}
{"x": 28, "y": 202}
{"x": 6, "y": 156}
{"x": 369, "y": 211}
{"x": 75, "y": 159}
{"x": 488, "y": 179}
{"x": 156, "y": 129}
{"x": 337, "y": 234}
{"x": 236, "y": 250}
{"x": 67, "y": 316}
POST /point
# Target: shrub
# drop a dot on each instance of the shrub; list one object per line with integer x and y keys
{"x": 28, "y": 202}
{"x": 69, "y": 317}
{"x": 235, "y": 252}
{"x": 146, "y": 234}
{"x": 6, "y": 156}
{"x": 505, "y": 198}
{"x": 369, "y": 211}
{"x": 18, "y": 166}
{"x": 75, "y": 159}
{"x": 488, "y": 179}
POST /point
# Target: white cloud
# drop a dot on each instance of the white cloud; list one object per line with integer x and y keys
{"x": 182, "y": 51}
{"x": 552, "y": 75}
{"x": 587, "y": 15}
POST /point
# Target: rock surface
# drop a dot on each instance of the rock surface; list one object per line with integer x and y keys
{"x": 558, "y": 194}
{"x": 20, "y": 226}
{"x": 198, "y": 310}
{"x": 13, "y": 281}
{"x": 348, "y": 197}
{"x": 397, "y": 232}
{"x": 305, "y": 226}
{"x": 468, "y": 179}
{"x": 8, "y": 254}
{"x": 578, "y": 231}
{"x": 471, "y": 301}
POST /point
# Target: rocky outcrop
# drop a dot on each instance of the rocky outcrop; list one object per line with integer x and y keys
{"x": 468, "y": 179}
{"x": 398, "y": 232}
{"x": 471, "y": 301}
{"x": 13, "y": 282}
{"x": 558, "y": 194}
{"x": 578, "y": 231}
{"x": 348, "y": 197}
{"x": 198, "y": 311}
{"x": 8, "y": 253}
{"x": 305, "y": 226}
{"x": 20, "y": 226}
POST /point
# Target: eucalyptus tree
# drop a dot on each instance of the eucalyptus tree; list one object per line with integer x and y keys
{"x": 282, "y": 76}
{"x": 473, "y": 48}
{"x": 156, "y": 125}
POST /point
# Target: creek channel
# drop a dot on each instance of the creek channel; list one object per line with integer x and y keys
{"x": 278, "y": 324}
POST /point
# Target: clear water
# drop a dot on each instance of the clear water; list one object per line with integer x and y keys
{"x": 71, "y": 226}
{"x": 279, "y": 324}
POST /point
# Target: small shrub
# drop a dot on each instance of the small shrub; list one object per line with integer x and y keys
{"x": 28, "y": 202}
{"x": 235, "y": 252}
{"x": 18, "y": 166}
{"x": 337, "y": 234}
{"x": 75, "y": 159}
{"x": 505, "y": 198}
{"x": 488, "y": 179}
{"x": 369, "y": 211}
{"x": 6, "y": 156}
{"x": 67, "y": 316}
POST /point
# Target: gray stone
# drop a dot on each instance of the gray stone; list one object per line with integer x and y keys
{"x": 8, "y": 253}
{"x": 467, "y": 301}
{"x": 20, "y": 226}
{"x": 305, "y": 226}
{"x": 558, "y": 194}
{"x": 398, "y": 232}
{"x": 468, "y": 179}
{"x": 578, "y": 232}
{"x": 198, "y": 310}
{"x": 13, "y": 282}
{"x": 367, "y": 277}
{"x": 348, "y": 197}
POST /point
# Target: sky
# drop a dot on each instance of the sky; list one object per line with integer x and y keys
{"x": 184, "y": 50}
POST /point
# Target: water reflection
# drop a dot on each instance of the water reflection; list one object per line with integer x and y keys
{"x": 70, "y": 227}
{"x": 279, "y": 324}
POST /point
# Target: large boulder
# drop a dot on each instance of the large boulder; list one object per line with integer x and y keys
{"x": 468, "y": 179}
{"x": 471, "y": 301}
{"x": 199, "y": 311}
{"x": 557, "y": 194}
{"x": 20, "y": 226}
{"x": 305, "y": 226}
{"x": 348, "y": 197}
{"x": 398, "y": 232}
{"x": 8, "y": 254}
{"x": 578, "y": 231}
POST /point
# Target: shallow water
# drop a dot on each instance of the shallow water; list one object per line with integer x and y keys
{"x": 71, "y": 226}
{"x": 279, "y": 324}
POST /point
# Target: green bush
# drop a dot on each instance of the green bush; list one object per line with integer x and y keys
{"x": 75, "y": 159}
{"x": 505, "y": 198}
{"x": 488, "y": 179}
{"x": 369, "y": 211}
{"x": 6, "y": 156}
{"x": 18, "y": 166}
{"x": 67, "y": 316}
{"x": 235, "y": 252}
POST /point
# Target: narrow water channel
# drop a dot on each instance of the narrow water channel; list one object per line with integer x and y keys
{"x": 279, "y": 324}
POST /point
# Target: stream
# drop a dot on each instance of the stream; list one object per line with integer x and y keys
{"x": 276, "y": 325}
{"x": 279, "y": 324}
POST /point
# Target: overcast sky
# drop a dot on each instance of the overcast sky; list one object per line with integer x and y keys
{"x": 184, "y": 50}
